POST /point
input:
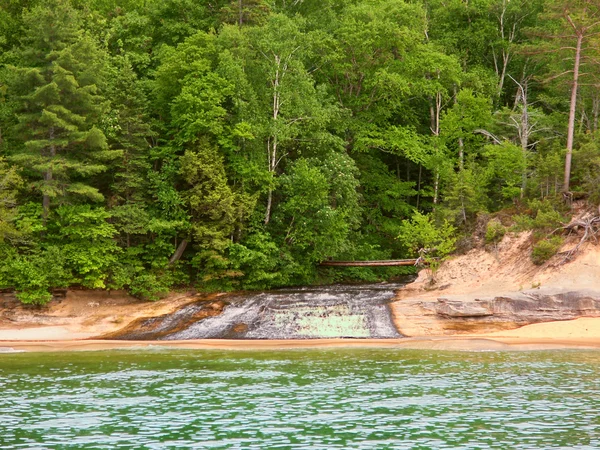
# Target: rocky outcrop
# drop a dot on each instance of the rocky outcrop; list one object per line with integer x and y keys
{"x": 469, "y": 314}
{"x": 338, "y": 311}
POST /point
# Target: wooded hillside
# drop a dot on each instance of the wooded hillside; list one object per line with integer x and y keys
{"x": 151, "y": 144}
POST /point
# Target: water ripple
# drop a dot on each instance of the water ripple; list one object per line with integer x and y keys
{"x": 350, "y": 399}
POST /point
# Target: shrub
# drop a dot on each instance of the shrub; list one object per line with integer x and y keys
{"x": 545, "y": 249}
{"x": 548, "y": 219}
{"x": 543, "y": 216}
{"x": 33, "y": 276}
{"x": 522, "y": 222}
{"x": 148, "y": 286}
{"x": 422, "y": 236}
{"x": 37, "y": 297}
{"x": 494, "y": 232}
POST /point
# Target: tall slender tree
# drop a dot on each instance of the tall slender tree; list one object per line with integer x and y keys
{"x": 569, "y": 38}
{"x": 60, "y": 104}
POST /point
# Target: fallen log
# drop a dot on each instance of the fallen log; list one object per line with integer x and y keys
{"x": 382, "y": 263}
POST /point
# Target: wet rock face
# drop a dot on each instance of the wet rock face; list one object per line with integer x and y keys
{"x": 360, "y": 311}
{"x": 367, "y": 311}
{"x": 451, "y": 315}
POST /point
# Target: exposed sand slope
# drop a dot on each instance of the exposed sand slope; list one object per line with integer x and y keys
{"x": 82, "y": 314}
{"x": 508, "y": 268}
{"x": 482, "y": 275}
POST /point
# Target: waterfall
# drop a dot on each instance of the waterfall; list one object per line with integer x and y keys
{"x": 338, "y": 311}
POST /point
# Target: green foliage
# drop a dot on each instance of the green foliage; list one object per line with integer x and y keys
{"x": 545, "y": 249}
{"x": 494, "y": 232}
{"x": 469, "y": 113}
{"x": 423, "y": 237}
{"x": 148, "y": 286}
{"x": 272, "y": 135}
{"x": 522, "y": 222}
{"x": 321, "y": 206}
{"x": 465, "y": 195}
{"x": 543, "y": 216}
{"x": 210, "y": 199}
{"x": 258, "y": 264}
{"x": 57, "y": 88}
{"x": 34, "y": 274}
{"x": 87, "y": 243}
{"x": 504, "y": 171}
{"x": 10, "y": 182}
{"x": 587, "y": 164}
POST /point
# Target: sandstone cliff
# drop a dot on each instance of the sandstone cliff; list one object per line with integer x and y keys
{"x": 499, "y": 288}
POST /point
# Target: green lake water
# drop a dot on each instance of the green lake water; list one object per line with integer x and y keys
{"x": 301, "y": 399}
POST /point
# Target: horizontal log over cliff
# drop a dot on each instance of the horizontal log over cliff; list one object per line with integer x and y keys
{"x": 382, "y": 263}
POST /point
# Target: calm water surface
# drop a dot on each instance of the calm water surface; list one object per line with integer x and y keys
{"x": 318, "y": 399}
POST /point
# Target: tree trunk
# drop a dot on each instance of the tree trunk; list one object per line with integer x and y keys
{"x": 572, "y": 109}
{"x": 419, "y": 186}
{"x": 273, "y": 141}
{"x": 461, "y": 154}
{"x": 524, "y": 136}
{"x": 436, "y": 187}
{"x": 179, "y": 252}
{"x": 269, "y": 206}
{"x": 435, "y": 111}
{"x": 48, "y": 178}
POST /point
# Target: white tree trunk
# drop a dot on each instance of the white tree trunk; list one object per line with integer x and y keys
{"x": 572, "y": 110}
{"x": 273, "y": 141}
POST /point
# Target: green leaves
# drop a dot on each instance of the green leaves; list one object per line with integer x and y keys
{"x": 321, "y": 206}
{"x": 504, "y": 171}
{"x": 426, "y": 239}
{"x": 86, "y": 241}
{"x": 59, "y": 105}
{"x": 271, "y": 135}
{"x": 211, "y": 201}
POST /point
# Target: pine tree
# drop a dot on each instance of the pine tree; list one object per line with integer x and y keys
{"x": 58, "y": 86}
{"x": 568, "y": 37}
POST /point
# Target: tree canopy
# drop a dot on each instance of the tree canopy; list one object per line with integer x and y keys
{"x": 146, "y": 145}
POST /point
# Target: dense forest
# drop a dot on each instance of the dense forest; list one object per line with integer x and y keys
{"x": 153, "y": 144}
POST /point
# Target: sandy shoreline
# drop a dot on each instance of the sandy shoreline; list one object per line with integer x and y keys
{"x": 583, "y": 333}
{"x": 421, "y": 343}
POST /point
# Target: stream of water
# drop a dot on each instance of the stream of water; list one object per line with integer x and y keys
{"x": 301, "y": 399}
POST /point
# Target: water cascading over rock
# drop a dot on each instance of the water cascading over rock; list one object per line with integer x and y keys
{"x": 359, "y": 311}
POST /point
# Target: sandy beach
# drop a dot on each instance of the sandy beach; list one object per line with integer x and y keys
{"x": 580, "y": 333}
{"x": 442, "y": 344}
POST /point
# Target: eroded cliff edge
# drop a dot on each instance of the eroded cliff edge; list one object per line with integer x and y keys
{"x": 499, "y": 288}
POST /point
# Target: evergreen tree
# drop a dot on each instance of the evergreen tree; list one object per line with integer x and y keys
{"x": 60, "y": 105}
{"x": 568, "y": 37}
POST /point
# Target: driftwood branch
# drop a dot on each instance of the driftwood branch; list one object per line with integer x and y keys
{"x": 590, "y": 224}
